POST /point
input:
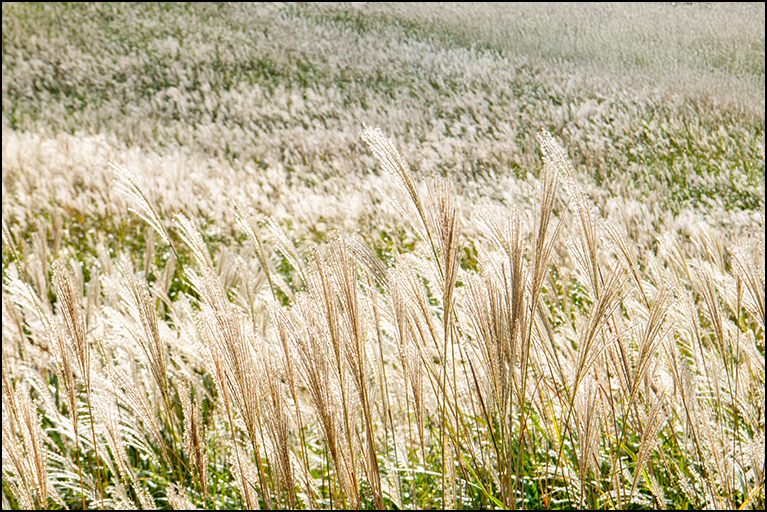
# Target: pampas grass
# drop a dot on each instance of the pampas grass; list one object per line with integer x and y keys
{"x": 418, "y": 382}
{"x": 269, "y": 304}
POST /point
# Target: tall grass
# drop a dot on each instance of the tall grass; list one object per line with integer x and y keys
{"x": 276, "y": 89}
{"x": 222, "y": 289}
{"x": 639, "y": 39}
{"x": 411, "y": 383}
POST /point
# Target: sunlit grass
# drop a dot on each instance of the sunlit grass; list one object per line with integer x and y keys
{"x": 223, "y": 289}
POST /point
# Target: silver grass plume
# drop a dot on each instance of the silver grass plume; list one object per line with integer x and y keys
{"x": 195, "y": 437}
{"x": 141, "y": 305}
{"x": 130, "y": 187}
{"x": 73, "y": 317}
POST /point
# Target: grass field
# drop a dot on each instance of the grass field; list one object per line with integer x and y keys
{"x": 383, "y": 256}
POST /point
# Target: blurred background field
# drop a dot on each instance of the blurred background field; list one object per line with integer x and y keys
{"x": 660, "y": 108}
{"x": 271, "y": 99}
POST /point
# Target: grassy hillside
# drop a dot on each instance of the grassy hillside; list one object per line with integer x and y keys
{"x": 383, "y": 255}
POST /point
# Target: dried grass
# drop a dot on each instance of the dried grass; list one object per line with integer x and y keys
{"x": 468, "y": 364}
{"x": 577, "y": 336}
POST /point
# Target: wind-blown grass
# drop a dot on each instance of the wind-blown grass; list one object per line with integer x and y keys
{"x": 496, "y": 393}
{"x": 265, "y": 302}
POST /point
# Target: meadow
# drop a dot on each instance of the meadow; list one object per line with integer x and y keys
{"x": 383, "y": 256}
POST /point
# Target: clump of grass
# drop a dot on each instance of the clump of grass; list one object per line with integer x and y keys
{"x": 340, "y": 380}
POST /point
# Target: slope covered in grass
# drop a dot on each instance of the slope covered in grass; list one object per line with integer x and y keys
{"x": 221, "y": 289}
